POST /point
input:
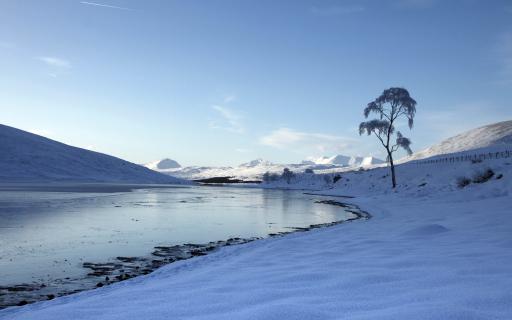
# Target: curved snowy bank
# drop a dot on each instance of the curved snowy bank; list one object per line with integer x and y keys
{"x": 443, "y": 258}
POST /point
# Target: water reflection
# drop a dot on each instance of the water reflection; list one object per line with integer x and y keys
{"x": 48, "y": 235}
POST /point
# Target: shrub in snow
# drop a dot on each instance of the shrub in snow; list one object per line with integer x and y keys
{"x": 392, "y": 104}
{"x": 336, "y": 178}
{"x": 309, "y": 171}
{"x": 462, "y": 182}
{"x": 483, "y": 176}
{"x": 287, "y": 175}
{"x": 270, "y": 177}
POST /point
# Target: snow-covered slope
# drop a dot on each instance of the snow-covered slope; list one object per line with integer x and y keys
{"x": 494, "y": 135}
{"x": 26, "y": 157}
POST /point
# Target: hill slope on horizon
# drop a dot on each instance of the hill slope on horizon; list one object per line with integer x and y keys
{"x": 26, "y": 157}
{"x": 491, "y": 135}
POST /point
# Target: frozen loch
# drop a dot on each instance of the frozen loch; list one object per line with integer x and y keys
{"x": 62, "y": 239}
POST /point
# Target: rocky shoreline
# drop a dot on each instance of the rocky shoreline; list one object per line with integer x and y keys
{"x": 123, "y": 268}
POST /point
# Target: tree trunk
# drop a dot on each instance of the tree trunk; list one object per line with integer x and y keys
{"x": 393, "y": 177}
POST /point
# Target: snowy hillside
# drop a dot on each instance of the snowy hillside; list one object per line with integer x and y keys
{"x": 26, "y": 157}
{"x": 254, "y": 170}
{"x": 493, "y": 135}
{"x": 413, "y": 178}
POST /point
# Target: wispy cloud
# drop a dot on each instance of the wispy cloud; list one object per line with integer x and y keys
{"x": 103, "y": 5}
{"x": 229, "y": 98}
{"x": 230, "y": 121}
{"x": 336, "y": 10}
{"x": 55, "y": 62}
{"x": 305, "y": 142}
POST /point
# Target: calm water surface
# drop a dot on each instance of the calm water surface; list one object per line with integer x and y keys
{"x": 48, "y": 235}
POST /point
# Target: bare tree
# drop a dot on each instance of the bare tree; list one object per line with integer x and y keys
{"x": 392, "y": 104}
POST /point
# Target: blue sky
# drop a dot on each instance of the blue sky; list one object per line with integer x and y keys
{"x": 223, "y": 82}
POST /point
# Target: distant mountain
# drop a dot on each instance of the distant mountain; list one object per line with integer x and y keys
{"x": 493, "y": 135}
{"x": 26, "y": 157}
{"x": 334, "y": 160}
{"x": 370, "y": 161}
{"x": 255, "y": 169}
{"x": 256, "y": 163}
{"x": 164, "y": 164}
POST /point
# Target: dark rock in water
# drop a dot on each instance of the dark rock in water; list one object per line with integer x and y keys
{"x": 101, "y": 269}
{"x": 128, "y": 259}
{"x": 22, "y": 287}
{"x": 197, "y": 253}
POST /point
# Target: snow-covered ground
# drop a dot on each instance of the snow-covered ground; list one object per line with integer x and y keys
{"x": 28, "y": 158}
{"x": 432, "y": 250}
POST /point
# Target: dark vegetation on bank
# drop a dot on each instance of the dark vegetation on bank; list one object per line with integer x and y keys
{"x": 216, "y": 180}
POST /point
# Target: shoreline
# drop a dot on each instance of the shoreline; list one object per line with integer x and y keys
{"x": 123, "y": 268}
{"x": 86, "y": 187}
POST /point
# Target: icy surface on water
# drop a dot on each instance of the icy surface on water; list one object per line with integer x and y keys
{"x": 47, "y": 235}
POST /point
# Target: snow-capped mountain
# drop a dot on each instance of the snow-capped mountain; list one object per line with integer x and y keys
{"x": 334, "y": 160}
{"x": 26, "y": 157}
{"x": 493, "y": 135}
{"x": 256, "y": 163}
{"x": 254, "y": 170}
{"x": 164, "y": 164}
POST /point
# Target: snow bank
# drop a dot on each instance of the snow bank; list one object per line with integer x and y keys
{"x": 431, "y": 251}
